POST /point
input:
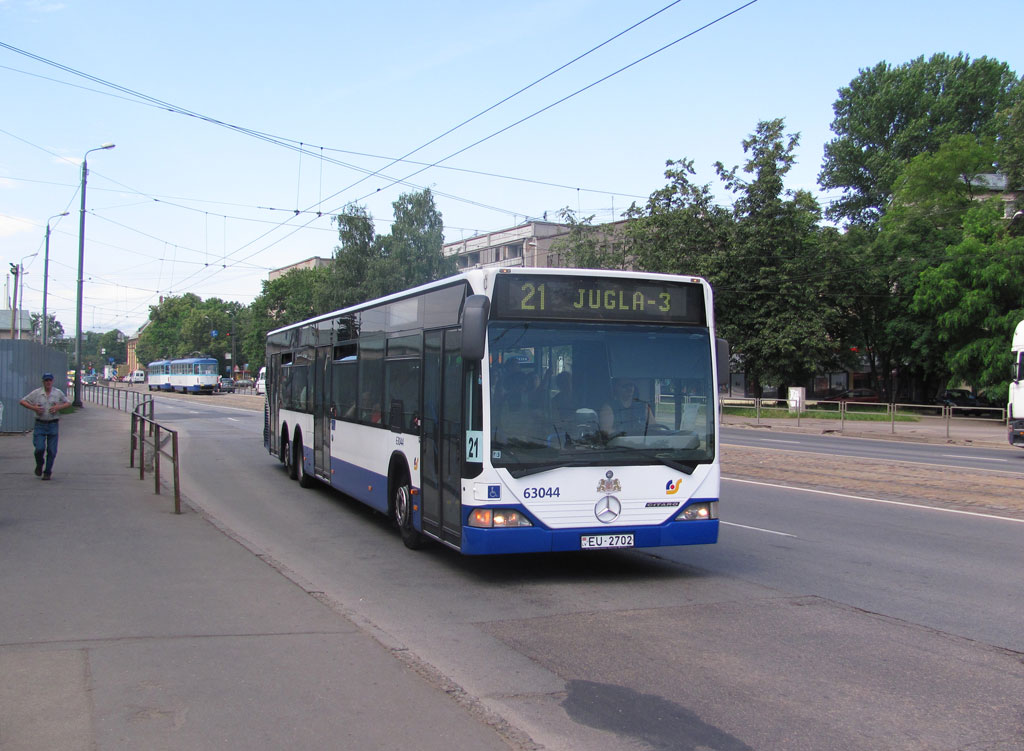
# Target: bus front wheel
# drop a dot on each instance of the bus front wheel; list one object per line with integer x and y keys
{"x": 402, "y": 506}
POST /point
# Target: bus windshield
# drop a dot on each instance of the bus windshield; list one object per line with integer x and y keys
{"x": 598, "y": 394}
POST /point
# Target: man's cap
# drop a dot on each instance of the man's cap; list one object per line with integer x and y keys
{"x": 47, "y": 376}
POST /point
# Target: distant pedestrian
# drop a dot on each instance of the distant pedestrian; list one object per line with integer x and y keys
{"x": 46, "y": 402}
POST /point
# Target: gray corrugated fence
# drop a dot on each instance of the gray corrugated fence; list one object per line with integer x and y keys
{"x": 22, "y": 364}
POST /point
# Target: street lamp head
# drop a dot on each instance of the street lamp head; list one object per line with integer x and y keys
{"x": 108, "y": 146}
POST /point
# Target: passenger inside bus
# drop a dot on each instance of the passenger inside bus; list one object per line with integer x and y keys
{"x": 563, "y": 404}
{"x": 521, "y": 417}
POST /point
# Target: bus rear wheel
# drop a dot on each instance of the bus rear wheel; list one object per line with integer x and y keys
{"x": 304, "y": 479}
{"x": 402, "y": 508}
{"x": 287, "y": 457}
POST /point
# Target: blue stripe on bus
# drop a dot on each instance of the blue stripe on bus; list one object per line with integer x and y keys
{"x": 357, "y": 482}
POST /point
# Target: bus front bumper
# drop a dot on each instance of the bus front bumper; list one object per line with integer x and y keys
{"x": 540, "y": 540}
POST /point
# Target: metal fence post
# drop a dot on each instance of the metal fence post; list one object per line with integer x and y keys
{"x": 156, "y": 461}
{"x": 131, "y": 458}
{"x": 142, "y": 453}
{"x": 177, "y": 486}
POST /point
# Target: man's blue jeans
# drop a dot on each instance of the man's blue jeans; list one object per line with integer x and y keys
{"x": 44, "y": 439}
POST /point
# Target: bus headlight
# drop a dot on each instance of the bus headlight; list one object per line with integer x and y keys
{"x": 699, "y": 511}
{"x": 498, "y": 517}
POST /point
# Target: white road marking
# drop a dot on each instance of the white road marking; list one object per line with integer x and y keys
{"x": 919, "y": 506}
{"x": 975, "y": 458}
{"x": 757, "y": 529}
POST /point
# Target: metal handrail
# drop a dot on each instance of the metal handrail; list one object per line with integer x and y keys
{"x": 115, "y": 398}
{"x": 141, "y": 425}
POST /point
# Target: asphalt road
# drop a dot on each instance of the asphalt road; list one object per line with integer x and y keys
{"x": 819, "y": 620}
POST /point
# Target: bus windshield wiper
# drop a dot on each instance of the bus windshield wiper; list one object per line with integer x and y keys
{"x": 684, "y": 467}
{"x": 533, "y": 469}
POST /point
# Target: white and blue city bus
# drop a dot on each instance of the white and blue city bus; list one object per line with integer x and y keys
{"x": 512, "y": 411}
{"x": 158, "y": 375}
{"x": 194, "y": 375}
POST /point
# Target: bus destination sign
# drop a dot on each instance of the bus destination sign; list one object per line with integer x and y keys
{"x": 585, "y": 298}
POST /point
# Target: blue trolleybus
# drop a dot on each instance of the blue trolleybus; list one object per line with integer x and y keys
{"x": 512, "y": 411}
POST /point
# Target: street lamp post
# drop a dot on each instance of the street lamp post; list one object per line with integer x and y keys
{"x": 46, "y": 275}
{"x": 81, "y": 262}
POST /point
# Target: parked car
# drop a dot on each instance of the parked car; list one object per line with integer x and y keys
{"x": 963, "y": 402}
{"x": 226, "y": 385}
{"x": 856, "y": 395}
{"x": 957, "y": 398}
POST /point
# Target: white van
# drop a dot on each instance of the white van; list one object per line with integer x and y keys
{"x": 138, "y": 376}
{"x": 261, "y": 381}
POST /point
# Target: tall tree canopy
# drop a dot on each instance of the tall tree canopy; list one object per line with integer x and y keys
{"x": 774, "y": 304}
{"x": 976, "y": 298}
{"x": 888, "y": 115}
{"x": 368, "y": 265}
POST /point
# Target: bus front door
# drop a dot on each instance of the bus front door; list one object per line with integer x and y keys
{"x": 441, "y": 446}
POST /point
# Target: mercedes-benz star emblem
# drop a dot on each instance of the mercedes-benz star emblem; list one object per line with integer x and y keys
{"x": 608, "y": 509}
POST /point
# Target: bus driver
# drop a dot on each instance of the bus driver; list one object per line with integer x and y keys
{"x": 624, "y": 414}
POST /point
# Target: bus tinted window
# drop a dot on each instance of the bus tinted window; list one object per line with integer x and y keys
{"x": 403, "y": 393}
{"x": 371, "y": 379}
{"x": 343, "y": 388}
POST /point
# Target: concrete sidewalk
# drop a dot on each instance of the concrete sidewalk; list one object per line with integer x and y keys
{"x": 124, "y": 626}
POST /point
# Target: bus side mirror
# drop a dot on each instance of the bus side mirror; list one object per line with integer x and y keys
{"x": 722, "y": 356}
{"x": 474, "y": 327}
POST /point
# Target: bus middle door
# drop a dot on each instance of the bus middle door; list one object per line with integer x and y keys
{"x": 321, "y": 420}
{"x": 441, "y": 445}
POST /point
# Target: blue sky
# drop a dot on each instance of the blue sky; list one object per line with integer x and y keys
{"x": 185, "y": 205}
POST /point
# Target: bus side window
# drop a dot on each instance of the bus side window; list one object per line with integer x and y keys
{"x": 344, "y": 387}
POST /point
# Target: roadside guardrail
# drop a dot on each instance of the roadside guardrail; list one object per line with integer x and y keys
{"x": 845, "y": 412}
{"x": 148, "y": 433}
{"x": 125, "y": 400}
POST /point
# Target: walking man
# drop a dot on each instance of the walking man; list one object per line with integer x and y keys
{"x": 46, "y": 402}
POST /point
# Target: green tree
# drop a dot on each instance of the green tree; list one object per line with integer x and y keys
{"x": 680, "y": 230}
{"x": 162, "y": 338}
{"x": 355, "y": 257}
{"x": 291, "y": 297}
{"x": 412, "y": 252}
{"x": 932, "y": 193}
{"x": 774, "y": 301}
{"x": 976, "y": 298}
{"x": 367, "y": 265}
{"x": 113, "y": 344}
{"x": 888, "y": 115}
{"x": 589, "y": 246}
{"x": 1011, "y": 151}
{"x": 55, "y": 329}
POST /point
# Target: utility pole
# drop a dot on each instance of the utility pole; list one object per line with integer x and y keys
{"x": 15, "y": 270}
